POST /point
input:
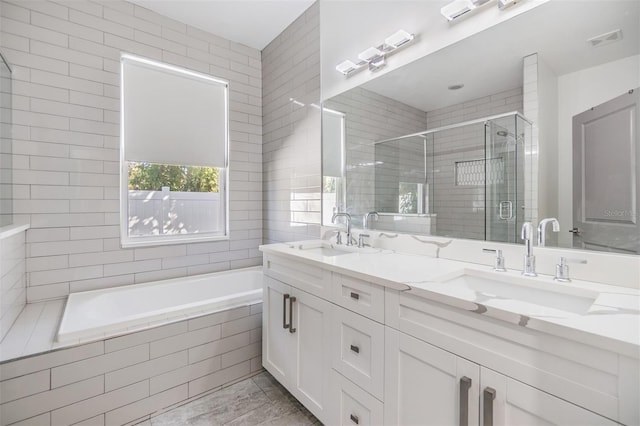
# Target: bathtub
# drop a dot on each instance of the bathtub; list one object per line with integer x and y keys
{"x": 98, "y": 314}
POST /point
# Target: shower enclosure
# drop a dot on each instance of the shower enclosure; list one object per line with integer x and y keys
{"x": 6, "y": 196}
{"x": 465, "y": 180}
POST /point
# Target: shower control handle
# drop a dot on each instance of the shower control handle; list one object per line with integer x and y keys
{"x": 505, "y": 206}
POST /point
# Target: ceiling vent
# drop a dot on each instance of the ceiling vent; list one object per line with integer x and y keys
{"x": 606, "y": 38}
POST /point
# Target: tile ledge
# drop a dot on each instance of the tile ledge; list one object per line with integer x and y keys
{"x": 11, "y": 230}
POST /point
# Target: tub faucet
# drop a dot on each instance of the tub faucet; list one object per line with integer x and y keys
{"x": 365, "y": 222}
{"x": 542, "y": 229}
{"x": 348, "y": 217}
{"x": 529, "y": 268}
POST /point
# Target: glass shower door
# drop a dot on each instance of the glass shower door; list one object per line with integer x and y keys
{"x": 503, "y": 180}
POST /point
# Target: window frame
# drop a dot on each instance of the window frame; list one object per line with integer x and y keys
{"x": 127, "y": 241}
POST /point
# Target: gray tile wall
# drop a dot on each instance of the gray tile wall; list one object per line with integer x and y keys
{"x": 65, "y": 58}
{"x": 12, "y": 280}
{"x": 129, "y": 378}
{"x": 291, "y": 133}
{"x": 370, "y": 118}
{"x": 460, "y": 209}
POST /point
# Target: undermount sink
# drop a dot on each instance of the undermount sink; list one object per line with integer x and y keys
{"x": 327, "y": 249}
{"x": 531, "y": 296}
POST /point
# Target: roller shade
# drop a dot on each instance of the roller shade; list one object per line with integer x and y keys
{"x": 171, "y": 115}
{"x": 333, "y": 134}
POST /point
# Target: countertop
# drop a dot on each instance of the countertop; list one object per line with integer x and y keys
{"x": 600, "y": 315}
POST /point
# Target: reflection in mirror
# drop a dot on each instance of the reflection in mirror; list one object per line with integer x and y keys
{"x": 483, "y": 180}
{"x": 6, "y": 217}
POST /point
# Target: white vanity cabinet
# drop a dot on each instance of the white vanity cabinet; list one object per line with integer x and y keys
{"x": 357, "y": 353}
{"x": 426, "y": 385}
{"x": 295, "y": 343}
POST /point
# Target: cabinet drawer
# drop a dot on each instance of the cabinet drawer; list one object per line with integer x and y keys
{"x": 358, "y": 350}
{"x": 310, "y": 278}
{"x": 352, "y": 406}
{"x": 359, "y": 296}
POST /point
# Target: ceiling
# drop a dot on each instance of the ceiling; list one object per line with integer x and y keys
{"x": 491, "y": 61}
{"x": 254, "y": 23}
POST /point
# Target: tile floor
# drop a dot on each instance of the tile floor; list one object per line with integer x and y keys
{"x": 259, "y": 400}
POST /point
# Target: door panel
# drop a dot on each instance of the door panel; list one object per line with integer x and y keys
{"x": 422, "y": 383}
{"x": 516, "y": 403}
{"x": 311, "y": 339}
{"x": 606, "y": 181}
{"x": 277, "y": 345}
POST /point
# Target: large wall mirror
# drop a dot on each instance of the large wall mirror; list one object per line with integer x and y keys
{"x": 535, "y": 117}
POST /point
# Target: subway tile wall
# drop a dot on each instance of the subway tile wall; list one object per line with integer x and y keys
{"x": 65, "y": 59}
{"x": 291, "y": 135}
{"x": 13, "y": 294}
{"x": 370, "y": 118}
{"x": 127, "y": 379}
{"x": 460, "y": 209}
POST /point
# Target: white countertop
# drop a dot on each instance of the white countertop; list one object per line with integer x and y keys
{"x": 607, "y": 316}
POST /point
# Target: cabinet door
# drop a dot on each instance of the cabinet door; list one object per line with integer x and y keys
{"x": 507, "y": 402}
{"x": 311, "y": 334}
{"x": 425, "y": 385}
{"x": 277, "y": 344}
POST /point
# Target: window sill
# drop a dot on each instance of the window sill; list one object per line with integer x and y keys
{"x": 167, "y": 240}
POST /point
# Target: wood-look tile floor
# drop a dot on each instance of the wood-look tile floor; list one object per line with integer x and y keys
{"x": 259, "y": 400}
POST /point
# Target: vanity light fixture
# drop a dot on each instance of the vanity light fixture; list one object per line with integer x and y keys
{"x": 374, "y": 57}
{"x": 457, "y": 8}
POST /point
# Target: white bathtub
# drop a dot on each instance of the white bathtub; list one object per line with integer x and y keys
{"x": 109, "y": 312}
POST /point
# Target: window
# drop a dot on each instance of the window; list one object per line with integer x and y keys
{"x": 173, "y": 154}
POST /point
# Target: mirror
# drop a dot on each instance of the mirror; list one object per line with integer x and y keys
{"x": 6, "y": 193}
{"x": 477, "y": 161}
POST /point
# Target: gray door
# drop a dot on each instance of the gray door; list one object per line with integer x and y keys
{"x": 606, "y": 177}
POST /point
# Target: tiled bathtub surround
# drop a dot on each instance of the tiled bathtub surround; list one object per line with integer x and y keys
{"x": 12, "y": 279}
{"x": 65, "y": 59}
{"x": 291, "y": 151}
{"x": 128, "y": 378}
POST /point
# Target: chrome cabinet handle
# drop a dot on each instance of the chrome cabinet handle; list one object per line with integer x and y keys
{"x": 355, "y": 349}
{"x": 465, "y": 385}
{"x": 355, "y": 296}
{"x": 488, "y": 397}
{"x": 291, "y": 328}
{"x": 354, "y": 419}
{"x": 284, "y": 311}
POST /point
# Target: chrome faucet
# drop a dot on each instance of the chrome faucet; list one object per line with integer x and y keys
{"x": 542, "y": 229}
{"x": 529, "y": 268}
{"x": 365, "y": 222}
{"x": 348, "y": 216}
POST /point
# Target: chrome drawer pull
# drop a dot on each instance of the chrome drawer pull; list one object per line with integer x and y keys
{"x": 291, "y": 328}
{"x": 284, "y": 311}
{"x": 355, "y": 296}
{"x": 355, "y": 349}
{"x": 465, "y": 385}
{"x": 354, "y": 419}
{"x": 488, "y": 397}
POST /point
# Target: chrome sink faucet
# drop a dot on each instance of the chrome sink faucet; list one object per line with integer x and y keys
{"x": 542, "y": 229}
{"x": 529, "y": 268}
{"x": 365, "y": 222}
{"x": 348, "y": 218}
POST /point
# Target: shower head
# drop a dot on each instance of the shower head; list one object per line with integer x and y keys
{"x": 504, "y": 134}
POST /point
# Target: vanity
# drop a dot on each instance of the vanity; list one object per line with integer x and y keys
{"x": 376, "y": 336}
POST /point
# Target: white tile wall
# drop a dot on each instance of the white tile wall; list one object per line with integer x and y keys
{"x": 12, "y": 280}
{"x": 291, "y": 133}
{"x": 65, "y": 58}
{"x": 127, "y": 378}
{"x": 460, "y": 209}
